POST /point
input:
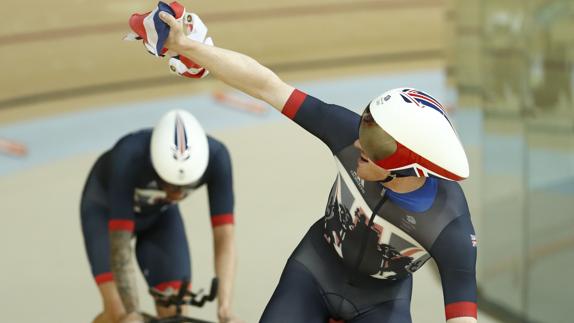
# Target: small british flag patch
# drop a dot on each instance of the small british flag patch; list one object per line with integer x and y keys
{"x": 473, "y": 240}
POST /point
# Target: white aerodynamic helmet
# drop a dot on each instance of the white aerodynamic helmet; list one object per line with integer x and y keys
{"x": 408, "y": 132}
{"x": 179, "y": 149}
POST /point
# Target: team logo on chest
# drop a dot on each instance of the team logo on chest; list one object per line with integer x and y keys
{"x": 379, "y": 249}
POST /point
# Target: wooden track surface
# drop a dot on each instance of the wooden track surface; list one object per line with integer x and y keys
{"x": 63, "y": 50}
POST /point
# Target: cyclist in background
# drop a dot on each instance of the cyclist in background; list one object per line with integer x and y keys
{"x": 133, "y": 191}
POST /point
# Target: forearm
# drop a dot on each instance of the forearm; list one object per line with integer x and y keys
{"x": 225, "y": 262}
{"x": 123, "y": 269}
{"x": 239, "y": 71}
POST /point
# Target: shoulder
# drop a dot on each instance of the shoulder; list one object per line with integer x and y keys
{"x": 219, "y": 157}
{"x": 130, "y": 156}
{"x": 457, "y": 240}
{"x": 458, "y": 230}
{"x": 133, "y": 144}
{"x": 215, "y": 145}
{"x": 218, "y": 152}
{"x": 454, "y": 197}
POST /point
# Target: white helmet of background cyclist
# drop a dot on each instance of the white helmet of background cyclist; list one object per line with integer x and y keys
{"x": 408, "y": 132}
{"x": 179, "y": 149}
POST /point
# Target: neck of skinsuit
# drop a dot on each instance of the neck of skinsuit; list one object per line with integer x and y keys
{"x": 403, "y": 184}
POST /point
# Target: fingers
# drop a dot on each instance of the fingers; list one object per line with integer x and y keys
{"x": 168, "y": 19}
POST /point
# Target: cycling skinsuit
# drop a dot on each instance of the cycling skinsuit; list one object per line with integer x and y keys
{"x": 122, "y": 193}
{"x": 355, "y": 264}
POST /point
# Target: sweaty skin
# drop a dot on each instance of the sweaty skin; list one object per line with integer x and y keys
{"x": 247, "y": 75}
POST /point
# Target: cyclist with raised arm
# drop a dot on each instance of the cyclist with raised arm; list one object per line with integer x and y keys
{"x": 133, "y": 191}
{"x": 399, "y": 163}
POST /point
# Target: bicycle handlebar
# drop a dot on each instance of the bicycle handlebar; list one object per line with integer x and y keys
{"x": 175, "y": 319}
{"x": 186, "y": 297}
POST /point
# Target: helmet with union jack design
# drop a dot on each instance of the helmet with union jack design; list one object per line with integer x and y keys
{"x": 408, "y": 133}
{"x": 179, "y": 148}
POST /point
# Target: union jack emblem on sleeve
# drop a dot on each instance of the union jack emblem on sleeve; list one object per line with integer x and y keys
{"x": 473, "y": 240}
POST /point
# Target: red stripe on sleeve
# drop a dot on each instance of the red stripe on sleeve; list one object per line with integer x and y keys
{"x": 460, "y": 309}
{"x": 121, "y": 225}
{"x": 221, "y": 219}
{"x": 104, "y": 278}
{"x": 293, "y": 103}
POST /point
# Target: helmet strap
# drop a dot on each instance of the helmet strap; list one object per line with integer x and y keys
{"x": 388, "y": 178}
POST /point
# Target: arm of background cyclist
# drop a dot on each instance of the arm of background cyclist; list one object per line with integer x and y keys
{"x": 221, "y": 203}
{"x": 225, "y": 261}
{"x": 124, "y": 172}
{"x": 455, "y": 254}
{"x": 123, "y": 269}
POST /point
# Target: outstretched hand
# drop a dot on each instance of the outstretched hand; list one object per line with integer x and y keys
{"x": 177, "y": 37}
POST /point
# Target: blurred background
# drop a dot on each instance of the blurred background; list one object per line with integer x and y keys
{"x": 70, "y": 87}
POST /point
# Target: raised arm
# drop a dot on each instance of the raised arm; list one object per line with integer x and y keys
{"x": 336, "y": 126}
{"x": 237, "y": 70}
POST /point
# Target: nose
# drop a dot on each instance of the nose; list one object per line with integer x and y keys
{"x": 357, "y": 145}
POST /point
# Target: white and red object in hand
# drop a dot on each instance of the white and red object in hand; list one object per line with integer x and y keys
{"x": 184, "y": 66}
{"x": 154, "y": 32}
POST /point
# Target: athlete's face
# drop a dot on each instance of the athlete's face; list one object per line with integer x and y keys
{"x": 368, "y": 170}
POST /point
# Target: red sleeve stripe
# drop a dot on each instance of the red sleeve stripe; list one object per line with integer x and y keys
{"x": 294, "y": 103}
{"x": 175, "y": 285}
{"x": 121, "y": 225}
{"x": 221, "y": 219}
{"x": 104, "y": 278}
{"x": 461, "y": 309}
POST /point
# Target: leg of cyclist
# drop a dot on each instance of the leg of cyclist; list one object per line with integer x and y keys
{"x": 163, "y": 255}
{"x": 297, "y": 298}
